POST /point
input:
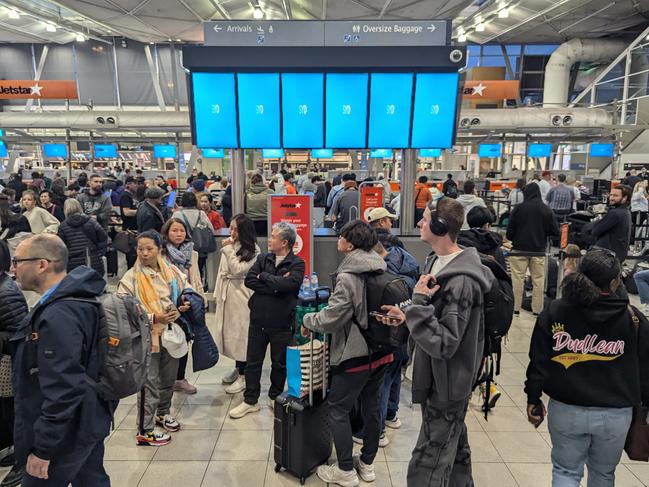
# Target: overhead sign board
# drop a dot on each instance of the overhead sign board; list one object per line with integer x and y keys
{"x": 492, "y": 90}
{"x": 38, "y": 90}
{"x": 279, "y": 33}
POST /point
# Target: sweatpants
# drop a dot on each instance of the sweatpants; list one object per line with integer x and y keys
{"x": 519, "y": 266}
{"x": 82, "y": 467}
{"x": 442, "y": 456}
{"x": 155, "y": 398}
{"x": 258, "y": 341}
{"x": 345, "y": 389}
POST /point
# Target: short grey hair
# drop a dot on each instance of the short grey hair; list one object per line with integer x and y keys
{"x": 48, "y": 246}
{"x": 154, "y": 193}
{"x": 286, "y": 232}
{"x": 71, "y": 206}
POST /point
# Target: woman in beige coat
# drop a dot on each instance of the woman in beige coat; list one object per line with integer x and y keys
{"x": 238, "y": 254}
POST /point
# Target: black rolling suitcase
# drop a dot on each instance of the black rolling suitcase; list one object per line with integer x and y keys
{"x": 111, "y": 262}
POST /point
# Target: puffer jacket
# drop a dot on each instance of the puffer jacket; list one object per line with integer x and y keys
{"x": 257, "y": 202}
{"x": 403, "y": 264}
{"x": 13, "y": 309}
{"x": 84, "y": 238}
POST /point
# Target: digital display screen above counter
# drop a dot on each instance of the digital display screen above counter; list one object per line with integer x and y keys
{"x": 215, "y": 112}
{"x": 346, "y": 110}
{"x": 490, "y": 150}
{"x": 390, "y": 107}
{"x": 3, "y": 150}
{"x": 272, "y": 153}
{"x": 430, "y": 152}
{"x": 539, "y": 150}
{"x": 214, "y": 153}
{"x": 433, "y": 121}
{"x": 259, "y": 111}
{"x": 166, "y": 151}
{"x": 105, "y": 151}
{"x": 302, "y": 110}
{"x": 322, "y": 154}
{"x": 55, "y": 150}
{"x": 600, "y": 150}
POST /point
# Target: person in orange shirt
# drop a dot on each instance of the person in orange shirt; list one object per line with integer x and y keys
{"x": 290, "y": 189}
{"x": 422, "y": 197}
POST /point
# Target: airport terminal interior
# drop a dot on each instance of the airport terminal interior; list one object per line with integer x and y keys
{"x": 315, "y": 114}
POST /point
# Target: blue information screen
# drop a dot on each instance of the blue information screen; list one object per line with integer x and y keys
{"x": 433, "y": 123}
{"x": 381, "y": 153}
{"x": 214, "y": 153}
{"x": 302, "y": 110}
{"x": 164, "y": 151}
{"x": 258, "y": 110}
{"x": 105, "y": 151}
{"x": 390, "y": 103}
{"x": 3, "y": 150}
{"x": 489, "y": 150}
{"x": 214, "y": 110}
{"x": 272, "y": 153}
{"x": 346, "y": 110}
{"x": 430, "y": 152}
{"x": 55, "y": 150}
{"x": 322, "y": 153}
{"x": 601, "y": 150}
{"x": 539, "y": 150}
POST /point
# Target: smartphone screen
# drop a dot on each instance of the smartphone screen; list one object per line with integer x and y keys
{"x": 172, "y": 199}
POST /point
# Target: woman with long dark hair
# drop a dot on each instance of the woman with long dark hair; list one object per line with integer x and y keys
{"x": 238, "y": 254}
{"x": 10, "y": 222}
{"x": 590, "y": 354}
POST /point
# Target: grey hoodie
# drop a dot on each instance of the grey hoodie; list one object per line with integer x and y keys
{"x": 348, "y": 298}
{"x": 468, "y": 202}
{"x": 449, "y": 330}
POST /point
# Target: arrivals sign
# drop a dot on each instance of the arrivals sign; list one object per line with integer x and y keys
{"x": 492, "y": 90}
{"x": 371, "y": 197}
{"x": 38, "y": 90}
{"x": 295, "y": 209}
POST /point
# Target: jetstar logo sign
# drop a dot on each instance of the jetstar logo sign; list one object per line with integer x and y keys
{"x": 53, "y": 90}
{"x": 492, "y": 90}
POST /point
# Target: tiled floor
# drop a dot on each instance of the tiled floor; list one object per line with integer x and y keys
{"x": 213, "y": 450}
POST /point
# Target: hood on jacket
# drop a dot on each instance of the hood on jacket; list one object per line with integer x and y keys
{"x": 606, "y": 310}
{"x": 531, "y": 192}
{"x": 77, "y": 219}
{"x": 467, "y": 263}
{"x": 359, "y": 261}
{"x": 403, "y": 264}
{"x": 258, "y": 188}
{"x": 483, "y": 240}
{"x": 467, "y": 199}
{"x": 80, "y": 282}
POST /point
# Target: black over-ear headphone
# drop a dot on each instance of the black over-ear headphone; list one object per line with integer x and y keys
{"x": 437, "y": 225}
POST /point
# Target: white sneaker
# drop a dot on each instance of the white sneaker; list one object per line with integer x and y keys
{"x": 237, "y": 386}
{"x": 271, "y": 404}
{"x": 242, "y": 409}
{"x": 393, "y": 423}
{"x": 383, "y": 440}
{"x": 331, "y": 474}
{"x": 231, "y": 377}
{"x": 365, "y": 471}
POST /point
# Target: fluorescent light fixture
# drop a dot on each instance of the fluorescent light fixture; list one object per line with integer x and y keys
{"x": 503, "y": 14}
{"x": 79, "y": 37}
{"x": 460, "y": 30}
{"x": 480, "y": 27}
{"x": 461, "y": 38}
{"x": 50, "y": 27}
{"x": 13, "y": 14}
{"x": 258, "y": 13}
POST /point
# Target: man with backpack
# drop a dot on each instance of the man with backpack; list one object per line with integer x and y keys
{"x": 358, "y": 364}
{"x": 446, "y": 321}
{"x": 450, "y": 187}
{"x": 61, "y": 421}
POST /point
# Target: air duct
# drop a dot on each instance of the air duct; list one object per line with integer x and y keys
{"x": 528, "y": 118}
{"x": 557, "y": 71}
{"x": 91, "y": 120}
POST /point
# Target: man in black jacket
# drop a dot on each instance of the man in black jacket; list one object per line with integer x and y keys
{"x": 530, "y": 224}
{"x": 275, "y": 278}
{"x": 151, "y": 214}
{"x": 61, "y": 422}
{"x": 613, "y": 232}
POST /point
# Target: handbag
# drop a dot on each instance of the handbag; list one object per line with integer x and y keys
{"x": 203, "y": 237}
{"x": 306, "y": 367}
{"x": 636, "y": 445}
{"x": 6, "y": 388}
{"x": 125, "y": 241}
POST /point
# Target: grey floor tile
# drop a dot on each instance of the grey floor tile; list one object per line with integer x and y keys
{"x": 202, "y": 417}
{"x": 121, "y": 446}
{"x": 125, "y": 473}
{"x": 531, "y": 474}
{"x": 235, "y": 474}
{"x": 521, "y": 447}
{"x": 243, "y": 445}
{"x": 195, "y": 445}
{"x": 170, "y": 472}
{"x": 492, "y": 475}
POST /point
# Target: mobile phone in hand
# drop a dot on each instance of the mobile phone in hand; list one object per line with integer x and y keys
{"x": 378, "y": 314}
{"x": 538, "y": 412}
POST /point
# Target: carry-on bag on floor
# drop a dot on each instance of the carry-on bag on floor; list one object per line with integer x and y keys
{"x": 111, "y": 262}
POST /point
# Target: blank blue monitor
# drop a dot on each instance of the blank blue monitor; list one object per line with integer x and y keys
{"x": 390, "y": 105}
{"x": 346, "y": 110}
{"x": 489, "y": 150}
{"x": 166, "y": 151}
{"x": 55, "y": 150}
{"x": 433, "y": 121}
{"x": 214, "y": 153}
{"x": 3, "y": 150}
{"x": 105, "y": 151}
{"x": 430, "y": 152}
{"x": 258, "y": 110}
{"x": 381, "y": 153}
{"x": 272, "y": 153}
{"x": 539, "y": 150}
{"x": 601, "y": 150}
{"x": 322, "y": 153}
{"x": 302, "y": 110}
{"x": 215, "y": 112}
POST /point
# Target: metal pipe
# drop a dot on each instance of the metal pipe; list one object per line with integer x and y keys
{"x": 408, "y": 174}
{"x": 117, "y": 93}
{"x": 154, "y": 80}
{"x": 238, "y": 181}
{"x": 625, "y": 89}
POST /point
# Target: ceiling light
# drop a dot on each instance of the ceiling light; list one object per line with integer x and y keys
{"x": 503, "y": 14}
{"x": 13, "y": 14}
{"x": 460, "y": 30}
{"x": 80, "y": 37}
{"x": 151, "y": 42}
{"x": 258, "y": 13}
{"x": 179, "y": 40}
{"x": 50, "y": 27}
{"x": 480, "y": 27}
{"x": 461, "y": 38}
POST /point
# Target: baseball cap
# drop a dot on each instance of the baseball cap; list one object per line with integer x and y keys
{"x": 378, "y": 213}
{"x": 174, "y": 341}
{"x": 546, "y": 173}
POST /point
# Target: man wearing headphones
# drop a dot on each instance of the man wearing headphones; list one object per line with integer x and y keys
{"x": 447, "y": 324}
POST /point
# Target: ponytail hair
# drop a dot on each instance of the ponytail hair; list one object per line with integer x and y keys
{"x": 596, "y": 271}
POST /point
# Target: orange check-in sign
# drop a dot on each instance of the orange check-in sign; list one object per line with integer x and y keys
{"x": 492, "y": 90}
{"x": 38, "y": 90}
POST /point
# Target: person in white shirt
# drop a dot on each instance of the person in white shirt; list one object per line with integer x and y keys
{"x": 544, "y": 184}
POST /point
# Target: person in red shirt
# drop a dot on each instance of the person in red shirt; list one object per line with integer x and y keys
{"x": 205, "y": 203}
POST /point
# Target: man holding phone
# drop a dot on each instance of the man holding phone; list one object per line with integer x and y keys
{"x": 446, "y": 321}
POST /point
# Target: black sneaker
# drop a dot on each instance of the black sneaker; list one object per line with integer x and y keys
{"x": 8, "y": 460}
{"x": 13, "y": 478}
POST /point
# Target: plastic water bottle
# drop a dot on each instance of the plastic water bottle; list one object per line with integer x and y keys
{"x": 306, "y": 287}
{"x": 314, "y": 281}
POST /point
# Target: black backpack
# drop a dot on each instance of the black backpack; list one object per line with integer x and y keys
{"x": 383, "y": 288}
{"x": 451, "y": 190}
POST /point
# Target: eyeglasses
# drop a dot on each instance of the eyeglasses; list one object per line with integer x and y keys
{"x": 15, "y": 262}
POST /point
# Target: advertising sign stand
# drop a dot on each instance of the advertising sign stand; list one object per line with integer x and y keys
{"x": 371, "y": 197}
{"x": 296, "y": 209}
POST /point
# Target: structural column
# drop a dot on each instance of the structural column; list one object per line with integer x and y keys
{"x": 238, "y": 181}
{"x": 408, "y": 175}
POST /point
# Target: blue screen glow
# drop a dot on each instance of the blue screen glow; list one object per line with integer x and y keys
{"x": 489, "y": 150}
{"x": 2, "y": 132}
{"x": 164, "y": 151}
{"x": 302, "y": 110}
{"x": 214, "y": 153}
{"x": 381, "y": 153}
{"x": 601, "y": 150}
{"x": 390, "y": 100}
{"x": 433, "y": 122}
{"x": 430, "y": 152}
{"x": 272, "y": 153}
{"x": 258, "y": 110}
{"x": 105, "y": 151}
{"x": 214, "y": 110}
{"x": 346, "y": 110}
{"x": 539, "y": 150}
{"x": 3, "y": 150}
{"x": 55, "y": 150}
{"x": 322, "y": 153}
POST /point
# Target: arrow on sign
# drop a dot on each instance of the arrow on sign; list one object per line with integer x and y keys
{"x": 217, "y": 28}
{"x": 432, "y": 28}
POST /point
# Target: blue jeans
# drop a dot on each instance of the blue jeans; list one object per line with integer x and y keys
{"x": 591, "y": 436}
{"x": 392, "y": 385}
{"x": 642, "y": 281}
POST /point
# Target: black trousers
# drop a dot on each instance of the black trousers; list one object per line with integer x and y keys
{"x": 346, "y": 388}
{"x": 6, "y": 422}
{"x": 258, "y": 341}
{"x": 261, "y": 227}
{"x": 131, "y": 257}
{"x": 182, "y": 367}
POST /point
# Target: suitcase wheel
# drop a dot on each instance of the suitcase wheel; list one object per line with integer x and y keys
{"x": 278, "y": 467}
{"x": 302, "y": 480}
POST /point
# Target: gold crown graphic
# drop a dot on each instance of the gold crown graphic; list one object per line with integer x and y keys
{"x": 557, "y": 327}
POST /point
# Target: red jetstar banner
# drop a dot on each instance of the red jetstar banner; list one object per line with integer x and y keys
{"x": 38, "y": 90}
{"x": 492, "y": 90}
{"x": 296, "y": 209}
